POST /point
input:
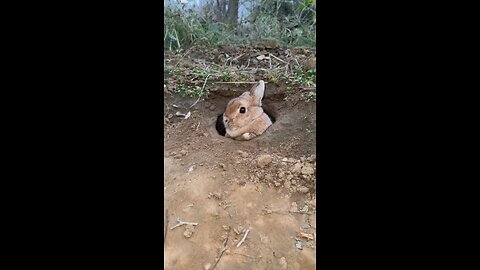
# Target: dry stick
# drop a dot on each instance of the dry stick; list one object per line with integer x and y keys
{"x": 201, "y": 93}
{"x": 180, "y": 223}
{"x": 267, "y": 211}
{"x": 298, "y": 64}
{"x": 166, "y": 227}
{"x": 239, "y": 82}
{"x": 236, "y": 253}
{"x": 277, "y": 58}
{"x": 224, "y": 248}
{"x": 238, "y": 57}
{"x": 243, "y": 239}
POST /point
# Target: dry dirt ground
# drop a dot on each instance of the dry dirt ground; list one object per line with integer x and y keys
{"x": 265, "y": 186}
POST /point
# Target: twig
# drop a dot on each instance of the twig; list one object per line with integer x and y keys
{"x": 238, "y": 57}
{"x": 180, "y": 223}
{"x": 201, "y": 92}
{"x": 278, "y": 58}
{"x": 224, "y": 248}
{"x": 239, "y": 82}
{"x": 166, "y": 227}
{"x": 248, "y": 63}
{"x": 298, "y": 64}
{"x": 243, "y": 239}
{"x": 267, "y": 211}
{"x": 236, "y": 253}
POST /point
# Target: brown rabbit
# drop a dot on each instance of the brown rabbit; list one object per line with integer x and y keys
{"x": 244, "y": 117}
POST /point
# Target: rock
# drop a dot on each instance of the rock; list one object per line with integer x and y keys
{"x": 298, "y": 245}
{"x": 243, "y": 154}
{"x": 303, "y": 189}
{"x": 283, "y": 263}
{"x": 225, "y": 227}
{"x": 287, "y": 184}
{"x": 212, "y": 108}
{"x": 207, "y": 266}
{"x": 277, "y": 184}
{"x": 215, "y": 195}
{"x": 294, "y": 207}
{"x": 263, "y": 160}
{"x": 223, "y": 166}
{"x": 189, "y": 230}
{"x": 268, "y": 177}
{"x": 308, "y": 170}
{"x": 281, "y": 175}
{"x": 297, "y": 168}
{"x": 183, "y": 152}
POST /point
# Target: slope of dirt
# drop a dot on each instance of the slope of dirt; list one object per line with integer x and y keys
{"x": 266, "y": 185}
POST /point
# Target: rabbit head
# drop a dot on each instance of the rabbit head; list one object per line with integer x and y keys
{"x": 244, "y": 117}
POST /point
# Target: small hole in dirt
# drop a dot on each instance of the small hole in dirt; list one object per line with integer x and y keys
{"x": 221, "y": 128}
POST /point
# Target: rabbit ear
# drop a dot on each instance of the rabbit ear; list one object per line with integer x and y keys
{"x": 257, "y": 92}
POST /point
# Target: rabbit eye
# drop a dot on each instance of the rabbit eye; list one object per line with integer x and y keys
{"x": 242, "y": 110}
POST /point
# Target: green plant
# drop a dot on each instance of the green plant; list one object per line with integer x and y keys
{"x": 292, "y": 24}
{"x": 189, "y": 91}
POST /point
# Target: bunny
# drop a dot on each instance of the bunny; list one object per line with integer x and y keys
{"x": 244, "y": 118}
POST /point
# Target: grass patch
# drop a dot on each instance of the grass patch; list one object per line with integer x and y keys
{"x": 189, "y": 91}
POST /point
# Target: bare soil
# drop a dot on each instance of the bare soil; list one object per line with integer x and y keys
{"x": 266, "y": 185}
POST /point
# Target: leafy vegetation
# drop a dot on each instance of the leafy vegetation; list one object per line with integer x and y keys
{"x": 292, "y": 23}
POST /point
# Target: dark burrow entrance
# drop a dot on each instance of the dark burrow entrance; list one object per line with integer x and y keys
{"x": 221, "y": 128}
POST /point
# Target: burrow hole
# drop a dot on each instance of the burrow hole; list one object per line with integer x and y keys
{"x": 221, "y": 128}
